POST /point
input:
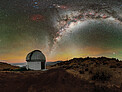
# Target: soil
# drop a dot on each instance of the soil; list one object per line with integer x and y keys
{"x": 53, "y": 80}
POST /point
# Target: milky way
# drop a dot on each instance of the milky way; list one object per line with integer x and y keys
{"x": 61, "y": 29}
{"x": 76, "y": 15}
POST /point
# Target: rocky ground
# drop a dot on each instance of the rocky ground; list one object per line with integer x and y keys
{"x": 76, "y": 75}
{"x": 7, "y": 67}
{"x": 54, "y": 80}
{"x": 102, "y": 71}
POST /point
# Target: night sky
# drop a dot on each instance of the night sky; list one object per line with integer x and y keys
{"x": 61, "y": 29}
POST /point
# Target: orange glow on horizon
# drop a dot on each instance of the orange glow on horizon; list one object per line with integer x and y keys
{"x": 20, "y": 56}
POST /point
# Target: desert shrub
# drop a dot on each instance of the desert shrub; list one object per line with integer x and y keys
{"x": 77, "y": 66}
{"x": 69, "y": 67}
{"x": 86, "y": 69}
{"x": 104, "y": 89}
{"x": 113, "y": 66}
{"x": 97, "y": 63}
{"x": 86, "y": 65}
{"x": 90, "y": 72}
{"x": 102, "y": 74}
{"x": 104, "y": 63}
{"x": 7, "y": 69}
{"x": 64, "y": 66}
{"x": 118, "y": 64}
{"x": 81, "y": 72}
{"x": 83, "y": 64}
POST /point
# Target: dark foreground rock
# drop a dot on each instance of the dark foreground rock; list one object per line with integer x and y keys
{"x": 54, "y": 80}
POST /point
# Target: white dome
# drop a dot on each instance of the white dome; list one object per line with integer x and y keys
{"x": 35, "y": 55}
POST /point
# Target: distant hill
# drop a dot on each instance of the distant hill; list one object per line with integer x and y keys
{"x": 53, "y": 63}
{"x": 18, "y": 64}
{"x": 101, "y": 71}
{"x": 79, "y": 62}
{"x": 24, "y": 64}
{"x": 7, "y": 67}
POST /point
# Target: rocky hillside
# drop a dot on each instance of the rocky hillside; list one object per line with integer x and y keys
{"x": 102, "y": 71}
{"x": 95, "y": 62}
{"x": 7, "y": 67}
{"x": 79, "y": 74}
{"x": 54, "y": 80}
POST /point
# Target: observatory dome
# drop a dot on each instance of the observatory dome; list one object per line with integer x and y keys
{"x": 35, "y": 55}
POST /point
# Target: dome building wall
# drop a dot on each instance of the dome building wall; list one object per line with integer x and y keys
{"x": 36, "y": 60}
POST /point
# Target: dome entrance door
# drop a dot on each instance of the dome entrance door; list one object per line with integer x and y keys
{"x": 42, "y": 65}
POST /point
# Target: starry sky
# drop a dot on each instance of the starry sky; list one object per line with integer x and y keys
{"x": 61, "y": 29}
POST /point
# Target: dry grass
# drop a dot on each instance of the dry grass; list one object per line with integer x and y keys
{"x": 101, "y": 71}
